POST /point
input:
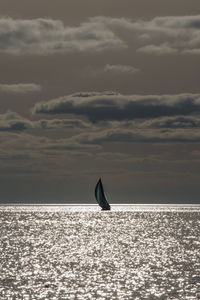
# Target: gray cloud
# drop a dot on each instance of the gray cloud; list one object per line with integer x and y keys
{"x": 172, "y": 122}
{"x": 170, "y": 34}
{"x": 34, "y": 146}
{"x": 112, "y": 106}
{"x": 161, "y": 35}
{"x": 41, "y": 36}
{"x": 140, "y": 136}
{"x": 157, "y": 49}
{"x": 70, "y": 145}
{"x": 162, "y": 129}
{"x": 63, "y": 123}
{"x": 174, "y": 22}
{"x": 11, "y": 121}
{"x": 121, "y": 69}
{"x": 20, "y": 88}
{"x": 91, "y": 137}
{"x": 192, "y": 51}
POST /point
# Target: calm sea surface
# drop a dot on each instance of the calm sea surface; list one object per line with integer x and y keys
{"x": 79, "y": 252}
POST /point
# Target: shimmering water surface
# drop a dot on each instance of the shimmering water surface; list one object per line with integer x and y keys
{"x": 79, "y": 252}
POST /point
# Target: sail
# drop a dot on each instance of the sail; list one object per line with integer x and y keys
{"x": 100, "y": 196}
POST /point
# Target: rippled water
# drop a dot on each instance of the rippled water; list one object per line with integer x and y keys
{"x": 64, "y": 252}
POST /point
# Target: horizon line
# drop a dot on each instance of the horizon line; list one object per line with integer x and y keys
{"x": 88, "y": 204}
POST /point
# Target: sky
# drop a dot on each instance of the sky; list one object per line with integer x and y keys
{"x": 93, "y": 89}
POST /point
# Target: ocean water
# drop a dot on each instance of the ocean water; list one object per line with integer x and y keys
{"x": 80, "y": 252}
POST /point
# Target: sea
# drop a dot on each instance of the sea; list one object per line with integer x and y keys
{"x": 78, "y": 252}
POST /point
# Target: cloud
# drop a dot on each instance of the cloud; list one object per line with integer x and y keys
{"x": 20, "y": 88}
{"x": 159, "y": 130}
{"x": 14, "y": 144}
{"x": 192, "y": 51}
{"x": 114, "y": 106}
{"x": 63, "y": 123}
{"x": 136, "y": 135}
{"x": 157, "y": 49}
{"x": 172, "y": 122}
{"x": 70, "y": 144}
{"x": 84, "y": 134}
{"x": 116, "y": 157}
{"x": 121, "y": 69}
{"x": 160, "y": 35}
{"x": 11, "y": 121}
{"x": 170, "y": 34}
{"x": 46, "y": 36}
{"x": 174, "y": 22}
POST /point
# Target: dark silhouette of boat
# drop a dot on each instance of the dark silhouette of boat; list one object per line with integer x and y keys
{"x": 100, "y": 196}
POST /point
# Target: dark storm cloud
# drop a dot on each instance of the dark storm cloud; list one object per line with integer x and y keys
{"x": 20, "y": 88}
{"x": 41, "y": 36}
{"x": 113, "y": 106}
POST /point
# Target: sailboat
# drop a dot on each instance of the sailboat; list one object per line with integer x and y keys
{"x": 100, "y": 196}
